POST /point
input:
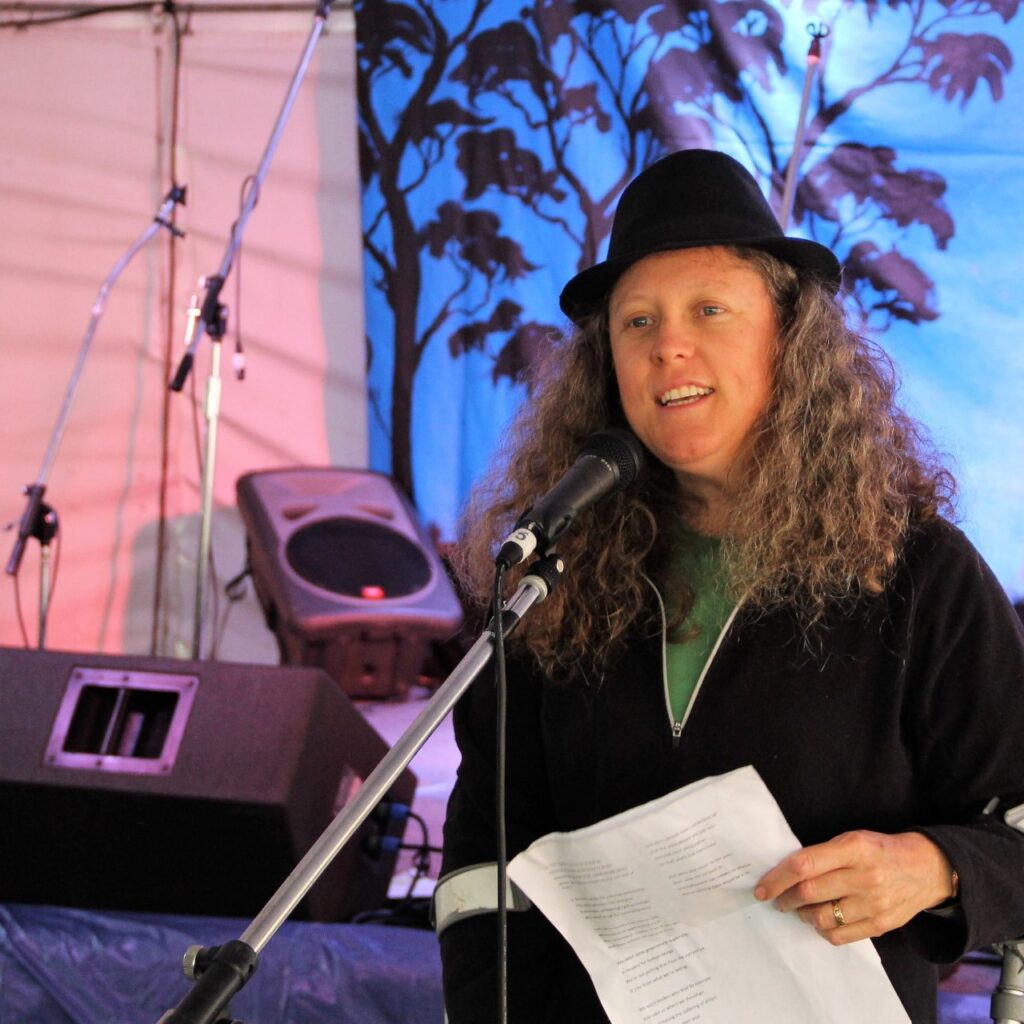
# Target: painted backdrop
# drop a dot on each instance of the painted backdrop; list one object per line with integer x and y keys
{"x": 496, "y": 137}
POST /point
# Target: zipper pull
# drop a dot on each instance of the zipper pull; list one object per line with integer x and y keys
{"x": 677, "y": 731}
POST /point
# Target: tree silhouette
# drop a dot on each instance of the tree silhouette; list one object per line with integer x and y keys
{"x": 548, "y": 110}
{"x": 399, "y": 150}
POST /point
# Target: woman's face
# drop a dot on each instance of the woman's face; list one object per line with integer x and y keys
{"x": 692, "y": 337}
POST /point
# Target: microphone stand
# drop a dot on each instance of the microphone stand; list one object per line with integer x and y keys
{"x": 213, "y": 321}
{"x": 220, "y": 971}
{"x": 1008, "y": 998}
{"x": 39, "y": 520}
{"x": 818, "y": 32}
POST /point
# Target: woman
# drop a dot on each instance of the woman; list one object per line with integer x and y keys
{"x": 779, "y": 589}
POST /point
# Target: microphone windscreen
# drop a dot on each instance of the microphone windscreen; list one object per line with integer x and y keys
{"x": 620, "y": 448}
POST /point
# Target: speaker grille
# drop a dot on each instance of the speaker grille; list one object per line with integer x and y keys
{"x": 356, "y": 558}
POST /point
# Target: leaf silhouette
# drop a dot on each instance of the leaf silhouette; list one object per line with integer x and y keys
{"x": 582, "y": 100}
{"x": 869, "y": 174}
{"x": 955, "y": 64}
{"x": 553, "y": 17}
{"x": 893, "y": 5}
{"x": 384, "y": 27}
{"x": 472, "y": 335}
{"x": 493, "y": 158}
{"x": 905, "y": 291}
{"x": 870, "y": 6}
{"x": 523, "y": 353}
{"x": 747, "y": 36}
{"x": 629, "y": 11}
{"x": 500, "y": 55}
{"x": 737, "y": 36}
{"x": 1006, "y": 9}
{"x": 686, "y": 76}
{"x": 672, "y": 129}
{"x": 446, "y": 112}
{"x": 473, "y": 238}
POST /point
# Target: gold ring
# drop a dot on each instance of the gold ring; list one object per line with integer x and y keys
{"x": 837, "y": 913}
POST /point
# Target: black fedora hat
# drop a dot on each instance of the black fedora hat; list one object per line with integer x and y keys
{"x": 692, "y": 198}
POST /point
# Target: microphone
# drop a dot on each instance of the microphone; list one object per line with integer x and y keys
{"x": 609, "y": 461}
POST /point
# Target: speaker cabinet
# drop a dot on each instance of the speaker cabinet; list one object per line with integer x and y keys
{"x": 347, "y": 577}
{"x": 187, "y": 787}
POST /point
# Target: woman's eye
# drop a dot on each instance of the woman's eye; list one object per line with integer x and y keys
{"x": 710, "y": 310}
{"x": 639, "y": 321}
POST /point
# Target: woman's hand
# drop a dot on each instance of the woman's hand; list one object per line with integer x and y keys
{"x": 860, "y": 884}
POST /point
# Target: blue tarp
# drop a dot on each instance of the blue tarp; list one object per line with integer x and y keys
{"x": 64, "y": 966}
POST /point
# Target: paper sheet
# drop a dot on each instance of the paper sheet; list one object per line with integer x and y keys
{"x": 658, "y": 903}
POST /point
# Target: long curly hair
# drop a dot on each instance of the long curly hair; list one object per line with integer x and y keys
{"x": 835, "y": 475}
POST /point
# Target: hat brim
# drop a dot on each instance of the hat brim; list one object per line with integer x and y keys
{"x": 585, "y": 293}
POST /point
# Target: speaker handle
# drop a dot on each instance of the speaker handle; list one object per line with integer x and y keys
{"x": 213, "y": 989}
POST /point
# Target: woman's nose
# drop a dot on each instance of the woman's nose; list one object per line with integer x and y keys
{"x": 673, "y": 341}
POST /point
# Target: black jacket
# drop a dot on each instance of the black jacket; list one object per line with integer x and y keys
{"x": 911, "y": 718}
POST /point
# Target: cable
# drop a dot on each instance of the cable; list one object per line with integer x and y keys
{"x": 16, "y": 579}
{"x": 408, "y": 910}
{"x": 499, "y": 796}
{"x": 58, "y": 545}
{"x": 238, "y": 363}
{"x": 165, "y": 408}
{"x": 235, "y": 590}
{"x": 20, "y": 613}
{"x": 238, "y": 359}
{"x": 72, "y": 15}
{"x": 47, "y": 17}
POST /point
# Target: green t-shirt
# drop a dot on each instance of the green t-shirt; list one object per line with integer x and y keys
{"x": 697, "y": 559}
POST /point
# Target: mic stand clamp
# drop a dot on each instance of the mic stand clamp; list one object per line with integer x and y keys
{"x": 219, "y": 972}
{"x": 214, "y": 989}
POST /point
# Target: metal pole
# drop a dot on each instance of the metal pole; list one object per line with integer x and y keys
{"x": 211, "y": 320}
{"x": 212, "y": 412}
{"x": 33, "y": 518}
{"x": 1008, "y": 998}
{"x": 228, "y": 967}
{"x": 818, "y": 32}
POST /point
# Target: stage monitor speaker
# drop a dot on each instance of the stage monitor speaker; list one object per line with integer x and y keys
{"x": 347, "y": 577}
{"x": 187, "y": 787}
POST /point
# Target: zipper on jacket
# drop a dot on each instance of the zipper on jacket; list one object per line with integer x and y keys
{"x": 679, "y": 725}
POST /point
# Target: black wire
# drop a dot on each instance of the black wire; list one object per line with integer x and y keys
{"x": 499, "y": 796}
{"x": 420, "y": 846}
{"x": 58, "y": 537}
{"x": 421, "y": 862}
{"x": 220, "y": 623}
{"x": 235, "y": 591}
{"x": 211, "y": 583}
{"x": 178, "y": 33}
{"x": 250, "y": 181}
{"x": 421, "y": 865}
{"x": 16, "y": 579}
{"x": 77, "y": 13}
{"x": 21, "y": 615}
{"x": 424, "y": 831}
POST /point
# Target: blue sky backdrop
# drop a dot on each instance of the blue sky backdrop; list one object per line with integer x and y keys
{"x": 495, "y": 137}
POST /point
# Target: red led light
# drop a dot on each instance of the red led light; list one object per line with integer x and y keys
{"x": 372, "y": 593}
